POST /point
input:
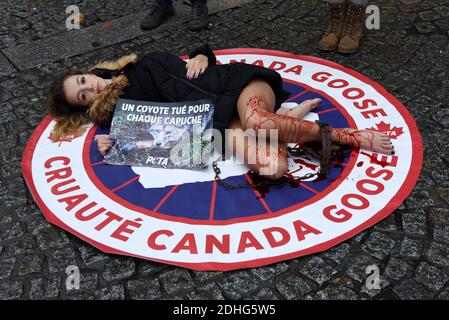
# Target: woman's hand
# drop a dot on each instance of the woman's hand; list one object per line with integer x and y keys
{"x": 196, "y": 66}
{"x": 104, "y": 143}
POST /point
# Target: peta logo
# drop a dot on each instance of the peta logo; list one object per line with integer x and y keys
{"x": 393, "y": 132}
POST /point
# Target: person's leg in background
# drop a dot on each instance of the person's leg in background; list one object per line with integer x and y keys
{"x": 353, "y": 28}
{"x": 161, "y": 11}
{"x": 337, "y": 12}
{"x": 199, "y": 15}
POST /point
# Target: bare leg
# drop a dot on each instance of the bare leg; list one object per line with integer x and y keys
{"x": 267, "y": 159}
{"x": 255, "y": 108}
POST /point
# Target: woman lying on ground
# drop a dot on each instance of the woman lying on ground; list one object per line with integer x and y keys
{"x": 245, "y": 96}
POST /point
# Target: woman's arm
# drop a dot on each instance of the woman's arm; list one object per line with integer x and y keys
{"x": 104, "y": 143}
{"x": 200, "y": 58}
{"x": 204, "y": 49}
{"x": 196, "y": 66}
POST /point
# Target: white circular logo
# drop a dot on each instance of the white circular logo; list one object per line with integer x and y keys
{"x": 185, "y": 218}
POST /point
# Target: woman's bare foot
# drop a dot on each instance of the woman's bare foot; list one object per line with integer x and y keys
{"x": 371, "y": 140}
{"x": 308, "y": 105}
{"x": 300, "y": 110}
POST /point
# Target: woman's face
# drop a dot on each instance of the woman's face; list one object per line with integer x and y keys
{"x": 81, "y": 89}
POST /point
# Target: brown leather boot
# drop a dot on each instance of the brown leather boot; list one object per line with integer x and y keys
{"x": 353, "y": 29}
{"x": 330, "y": 39}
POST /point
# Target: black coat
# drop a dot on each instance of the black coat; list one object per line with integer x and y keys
{"x": 161, "y": 77}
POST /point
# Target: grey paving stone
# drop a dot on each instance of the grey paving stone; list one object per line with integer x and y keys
{"x": 414, "y": 223}
{"x": 50, "y": 238}
{"x": 335, "y": 292}
{"x": 443, "y": 193}
{"x": 442, "y": 24}
{"x": 444, "y": 295}
{"x": 337, "y": 253}
{"x": 81, "y": 296}
{"x": 30, "y": 264}
{"x": 13, "y": 83}
{"x": 6, "y": 68}
{"x": 396, "y": 269}
{"x": 268, "y": 272}
{"x": 203, "y": 276}
{"x": 11, "y": 290}
{"x": 176, "y": 280}
{"x": 88, "y": 281}
{"x": 419, "y": 199}
{"x": 429, "y": 15}
{"x": 92, "y": 256}
{"x": 59, "y": 260}
{"x": 6, "y": 267}
{"x": 359, "y": 237}
{"x": 148, "y": 289}
{"x": 441, "y": 233}
{"x": 39, "y": 225}
{"x": 410, "y": 2}
{"x": 293, "y": 287}
{"x": 433, "y": 278}
{"x": 21, "y": 246}
{"x": 116, "y": 292}
{"x": 146, "y": 268}
{"x": 118, "y": 269}
{"x": 379, "y": 245}
{"x": 263, "y": 294}
{"x": 439, "y": 215}
{"x": 10, "y": 231}
{"x": 209, "y": 291}
{"x": 387, "y": 225}
{"x": 438, "y": 254}
{"x": 357, "y": 267}
{"x": 6, "y": 218}
{"x": 317, "y": 270}
{"x": 409, "y": 289}
{"x": 45, "y": 288}
{"x": 238, "y": 284}
{"x": 413, "y": 248}
{"x": 12, "y": 199}
{"x": 343, "y": 281}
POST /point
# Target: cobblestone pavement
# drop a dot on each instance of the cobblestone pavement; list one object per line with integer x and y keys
{"x": 409, "y": 56}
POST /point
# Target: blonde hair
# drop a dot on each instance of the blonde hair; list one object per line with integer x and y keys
{"x": 70, "y": 118}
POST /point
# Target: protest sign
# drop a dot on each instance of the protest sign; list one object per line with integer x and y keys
{"x": 161, "y": 134}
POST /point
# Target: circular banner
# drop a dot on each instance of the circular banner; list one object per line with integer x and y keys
{"x": 185, "y": 218}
